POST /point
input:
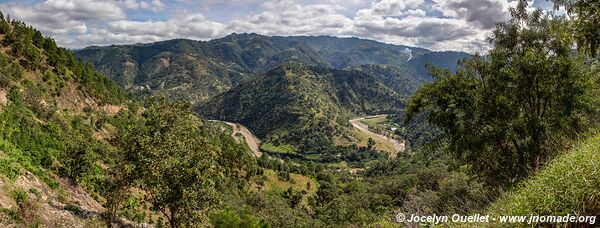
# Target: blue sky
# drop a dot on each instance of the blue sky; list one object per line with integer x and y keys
{"x": 435, "y": 24}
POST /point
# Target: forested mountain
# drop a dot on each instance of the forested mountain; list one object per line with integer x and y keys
{"x": 197, "y": 70}
{"x": 400, "y": 78}
{"x": 303, "y": 105}
{"x": 512, "y": 132}
{"x": 349, "y": 52}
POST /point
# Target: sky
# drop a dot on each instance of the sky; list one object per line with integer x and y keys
{"x": 460, "y": 25}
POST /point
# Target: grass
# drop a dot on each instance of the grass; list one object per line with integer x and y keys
{"x": 380, "y": 144}
{"x": 339, "y": 165}
{"x": 361, "y": 138}
{"x": 314, "y": 157}
{"x": 570, "y": 184}
{"x": 375, "y": 121}
{"x": 297, "y": 182}
{"x": 14, "y": 159}
{"x": 282, "y": 149}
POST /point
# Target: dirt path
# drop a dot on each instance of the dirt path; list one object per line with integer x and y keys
{"x": 252, "y": 141}
{"x": 358, "y": 124}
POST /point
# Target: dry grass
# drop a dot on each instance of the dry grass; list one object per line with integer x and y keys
{"x": 297, "y": 182}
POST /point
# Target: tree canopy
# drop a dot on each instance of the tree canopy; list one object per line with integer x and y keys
{"x": 585, "y": 22}
{"x": 169, "y": 159}
{"x": 509, "y": 111}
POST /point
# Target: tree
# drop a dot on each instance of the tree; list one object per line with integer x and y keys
{"x": 78, "y": 160}
{"x": 4, "y": 26}
{"x": 585, "y": 24}
{"x": 172, "y": 163}
{"x": 370, "y": 144}
{"x": 509, "y": 111}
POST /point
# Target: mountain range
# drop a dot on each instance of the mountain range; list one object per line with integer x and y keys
{"x": 299, "y": 90}
{"x": 198, "y": 70}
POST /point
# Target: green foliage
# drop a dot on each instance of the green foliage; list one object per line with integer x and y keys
{"x": 507, "y": 113}
{"x": 180, "y": 166}
{"x": 27, "y": 207}
{"x": 584, "y": 23}
{"x": 173, "y": 163}
{"x": 4, "y": 26}
{"x": 418, "y": 132}
{"x": 28, "y": 49}
{"x": 133, "y": 210}
{"x": 34, "y": 135}
{"x": 9, "y": 169}
{"x": 269, "y": 147}
{"x": 20, "y": 197}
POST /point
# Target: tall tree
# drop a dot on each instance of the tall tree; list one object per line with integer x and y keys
{"x": 170, "y": 160}
{"x": 585, "y": 16}
{"x": 509, "y": 111}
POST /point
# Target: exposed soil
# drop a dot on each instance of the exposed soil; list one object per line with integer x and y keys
{"x": 252, "y": 141}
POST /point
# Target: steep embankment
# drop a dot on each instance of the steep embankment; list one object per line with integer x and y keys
{"x": 397, "y": 145}
{"x": 249, "y": 138}
{"x": 54, "y": 119}
{"x": 567, "y": 185}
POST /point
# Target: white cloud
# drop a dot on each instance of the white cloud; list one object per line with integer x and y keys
{"x": 82, "y": 9}
{"x": 154, "y": 5}
{"x": 392, "y": 7}
{"x": 291, "y": 18}
{"x": 192, "y": 26}
{"x": 434, "y": 24}
{"x": 483, "y": 13}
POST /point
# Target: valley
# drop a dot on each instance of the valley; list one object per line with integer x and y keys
{"x": 293, "y": 130}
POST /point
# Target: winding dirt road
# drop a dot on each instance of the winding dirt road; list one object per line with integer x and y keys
{"x": 358, "y": 124}
{"x": 252, "y": 141}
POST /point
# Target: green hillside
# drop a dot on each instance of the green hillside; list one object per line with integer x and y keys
{"x": 178, "y": 68}
{"x": 69, "y": 138}
{"x": 401, "y": 78}
{"x": 350, "y": 52}
{"x": 55, "y": 115}
{"x": 302, "y": 105}
{"x": 567, "y": 185}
